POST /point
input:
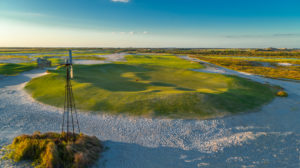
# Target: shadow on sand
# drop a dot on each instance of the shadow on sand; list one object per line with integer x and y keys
{"x": 19, "y": 79}
{"x": 266, "y": 151}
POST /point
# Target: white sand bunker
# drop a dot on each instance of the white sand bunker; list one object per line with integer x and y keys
{"x": 13, "y": 61}
{"x": 285, "y": 64}
{"x": 89, "y": 62}
{"x": 109, "y": 58}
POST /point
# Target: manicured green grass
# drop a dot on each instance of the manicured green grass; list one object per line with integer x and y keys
{"x": 168, "y": 61}
{"x": 160, "y": 85}
{"x": 56, "y": 61}
{"x": 15, "y": 69}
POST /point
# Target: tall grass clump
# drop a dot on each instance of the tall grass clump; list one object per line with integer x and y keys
{"x": 273, "y": 71}
{"x": 282, "y": 93}
{"x": 52, "y": 150}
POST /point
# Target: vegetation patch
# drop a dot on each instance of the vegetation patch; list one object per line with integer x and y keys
{"x": 20, "y": 57}
{"x": 282, "y": 93}
{"x": 156, "y": 85}
{"x": 56, "y": 61}
{"x": 274, "y": 71}
{"x": 267, "y": 52}
{"x": 15, "y": 69}
{"x": 51, "y": 150}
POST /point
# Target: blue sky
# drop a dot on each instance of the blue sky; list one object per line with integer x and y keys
{"x": 150, "y": 23}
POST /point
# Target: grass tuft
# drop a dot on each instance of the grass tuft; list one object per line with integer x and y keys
{"x": 51, "y": 150}
{"x": 282, "y": 93}
{"x": 256, "y": 66}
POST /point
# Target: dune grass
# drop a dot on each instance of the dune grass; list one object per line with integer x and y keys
{"x": 247, "y": 65}
{"x": 152, "y": 86}
{"x": 9, "y": 69}
{"x": 52, "y": 150}
{"x": 21, "y": 57}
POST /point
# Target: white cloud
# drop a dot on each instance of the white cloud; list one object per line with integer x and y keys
{"x": 124, "y": 1}
{"x": 131, "y": 33}
{"x": 26, "y": 14}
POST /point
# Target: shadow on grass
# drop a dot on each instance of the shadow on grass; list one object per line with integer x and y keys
{"x": 185, "y": 89}
{"x": 14, "y": 69}
{"x": 109, "y": 77}
{"x": 243, "y": 95}
{"x": 162, "y": 84}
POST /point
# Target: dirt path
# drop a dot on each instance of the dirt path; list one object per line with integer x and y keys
{"x": 267, "y": 138}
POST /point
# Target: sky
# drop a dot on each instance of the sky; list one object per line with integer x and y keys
{"x": 150, "y": 23}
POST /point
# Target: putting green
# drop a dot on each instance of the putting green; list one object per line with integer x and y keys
{"x": 152, "y": 85}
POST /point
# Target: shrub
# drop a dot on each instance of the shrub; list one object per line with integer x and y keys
{"x": 51, "y": 150}
{"x": 282, "y": 93}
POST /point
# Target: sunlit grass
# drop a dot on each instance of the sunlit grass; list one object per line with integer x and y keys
{"x": 21, "y": 57}
{"x": 53, "y": 150}
{"x": 152, "y": 86}
{"x": 245, "y": 65}
{"x": 15, "y": 69}
{"x": 261, "y": 59}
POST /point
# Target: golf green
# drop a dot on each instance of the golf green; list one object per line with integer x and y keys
{"x": 152, "y": 85}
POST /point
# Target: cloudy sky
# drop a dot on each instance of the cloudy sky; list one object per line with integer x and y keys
{"x": 150, "y": 23}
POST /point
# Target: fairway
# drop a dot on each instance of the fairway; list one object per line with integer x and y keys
{"x": 152, "y": 85}
{"x": 14, "y": 69}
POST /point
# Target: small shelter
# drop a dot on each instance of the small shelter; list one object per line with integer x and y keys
{"x": 42, "y": 63}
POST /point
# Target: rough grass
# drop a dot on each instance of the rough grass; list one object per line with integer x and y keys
{"x": 282, "y": 93}
{"x": 15, "y": 69}
{"x": 152, "y": 86}
{"x": 260, "y": 59}
{"x": 51, "y": 150}
{"x": 21, "y": 57}
{"x": 244, "y": 65}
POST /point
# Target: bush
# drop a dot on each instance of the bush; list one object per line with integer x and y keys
{"x": 51, "y": 150}
{"x": 282, "y": 93}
